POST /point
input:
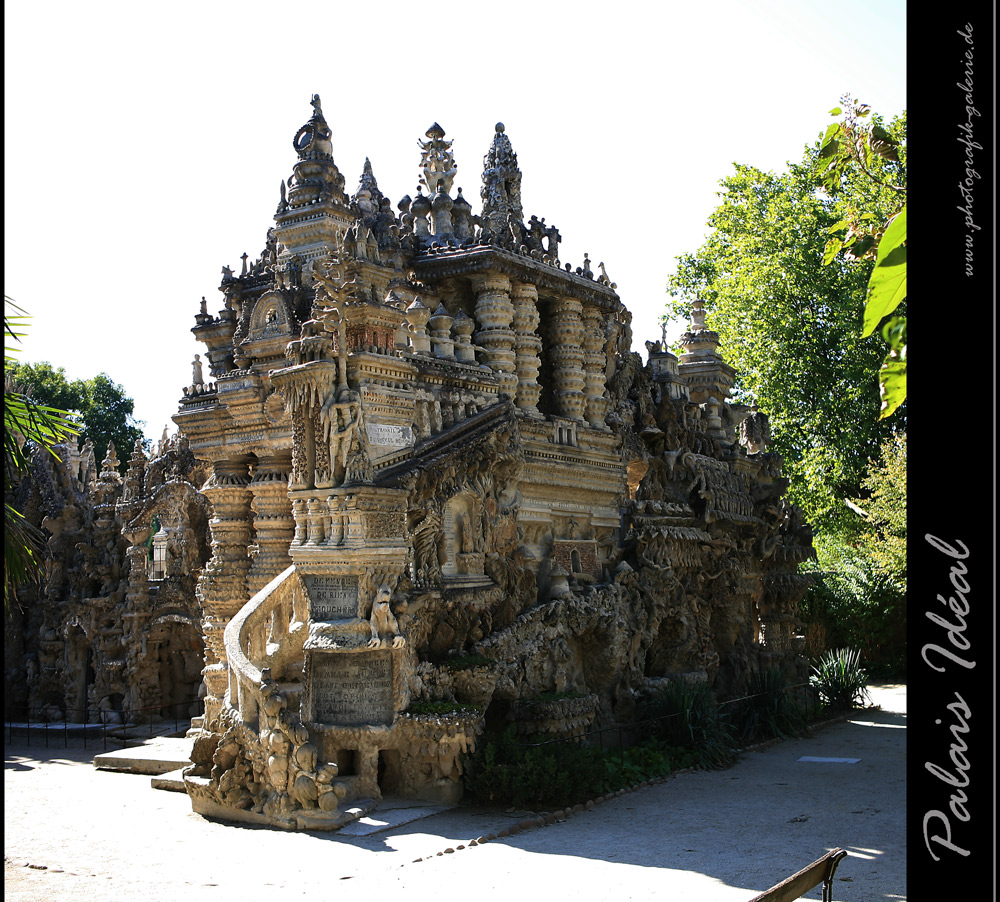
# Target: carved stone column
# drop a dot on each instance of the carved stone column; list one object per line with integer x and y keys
{"x": 222, "y": 589}
{"x": 494, "y": 317}
{"x": 527, "y": 345}
{"x": 273, "y": 522}
{"x": 594, "y": 363}
{"x": 566, "y": 335}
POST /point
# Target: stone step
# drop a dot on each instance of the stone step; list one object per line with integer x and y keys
{"x": 172, "y": 781}
{"x": 160, "y": 756}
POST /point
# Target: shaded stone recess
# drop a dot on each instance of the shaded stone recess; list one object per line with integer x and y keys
{"x": 438, "y": 478}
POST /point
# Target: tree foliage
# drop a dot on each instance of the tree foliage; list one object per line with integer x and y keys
{"x": 864, "y": 162}
{"x": 105, "y": 411}
{"x": 791, "y": 327}
{"x": 885, "y": 509}
{"x": 26, "y": 422}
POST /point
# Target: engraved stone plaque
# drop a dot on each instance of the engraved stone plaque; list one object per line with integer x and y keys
{"x": 390, "y": 435}
{"x": 352, "y": 688}
{"x": 332, "y": 597}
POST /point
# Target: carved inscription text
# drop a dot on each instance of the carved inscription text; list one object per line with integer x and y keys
{"x": 352, "y": 688}
{"x": 332, "y": 597}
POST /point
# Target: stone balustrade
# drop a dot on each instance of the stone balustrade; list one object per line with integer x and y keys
{"x": 263, "y": 635}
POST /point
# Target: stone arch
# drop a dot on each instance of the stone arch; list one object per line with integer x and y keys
{"x": 270, "y": 317}
{"x": 182, "y": 514}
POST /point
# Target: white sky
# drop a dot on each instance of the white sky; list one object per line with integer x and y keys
{"x": 145, "y": 143}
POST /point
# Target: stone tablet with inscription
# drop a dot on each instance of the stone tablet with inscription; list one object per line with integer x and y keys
{"x": 389, "y": 435}
{"x": 352, "y": 688}
{"x": 332, "y": 597}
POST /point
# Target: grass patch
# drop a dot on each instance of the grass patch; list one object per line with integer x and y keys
{"x": 466, "y": 662}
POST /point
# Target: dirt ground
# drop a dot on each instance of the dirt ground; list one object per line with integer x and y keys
{"x": 73, "y": 832}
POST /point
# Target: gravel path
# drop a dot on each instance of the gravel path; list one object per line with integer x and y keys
{"x": 73, "y": 832}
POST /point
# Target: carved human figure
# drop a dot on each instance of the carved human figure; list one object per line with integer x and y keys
{"x": 464, "y": 530}
{"x": 197, "y": 378}
{"x": 385, "y": 629}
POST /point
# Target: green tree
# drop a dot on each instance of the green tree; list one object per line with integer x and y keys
{"x": 105, "y": 411}
{"x": 885, "y": 511}
{"x": 26, "y": 422}
{"x": 790, "y": 326}
{"x": 863, "y": 162}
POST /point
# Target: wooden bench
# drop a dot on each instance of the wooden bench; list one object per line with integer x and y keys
{"x": 820, "y": 871}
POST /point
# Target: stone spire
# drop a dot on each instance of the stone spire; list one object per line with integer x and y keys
{"x": 368, "y": 197}
{"x": 315, "y": 177}
{"x": 315, "y": 214}
{"x": 501, "y": 191}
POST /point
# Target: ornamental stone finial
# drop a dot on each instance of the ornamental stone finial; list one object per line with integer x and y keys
{"x": 437, "y": 162}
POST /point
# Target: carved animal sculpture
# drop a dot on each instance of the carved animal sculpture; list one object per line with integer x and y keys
{"x": 385, "y": 629}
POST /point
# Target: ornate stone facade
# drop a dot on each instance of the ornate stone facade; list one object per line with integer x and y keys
{"x": 424, "y": 469}
{"x": 427, "y": 407}
{"x": 114, "y": 629}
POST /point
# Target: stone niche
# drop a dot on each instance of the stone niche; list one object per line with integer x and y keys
{"x": 463, "y": 542}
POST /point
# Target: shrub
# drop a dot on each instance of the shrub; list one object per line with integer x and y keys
{"x": 857, "y": 603}
{"x": 686, "y": 717}
{"x": 551, "y": 774}
{"x": 766, "y": 711}
{"x": 840, "y": 680}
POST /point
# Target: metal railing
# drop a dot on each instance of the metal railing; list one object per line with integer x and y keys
{"x": 129, "y": 727}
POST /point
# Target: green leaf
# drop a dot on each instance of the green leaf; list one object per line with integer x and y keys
{"x": 892, "y": 383}
{"x": 839, "y": 226}
{"x": 894, "y": 333}
{"x": 836, "y": 111}
{"x": 833, "y": 247}
{"x": 887, "y": 285}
